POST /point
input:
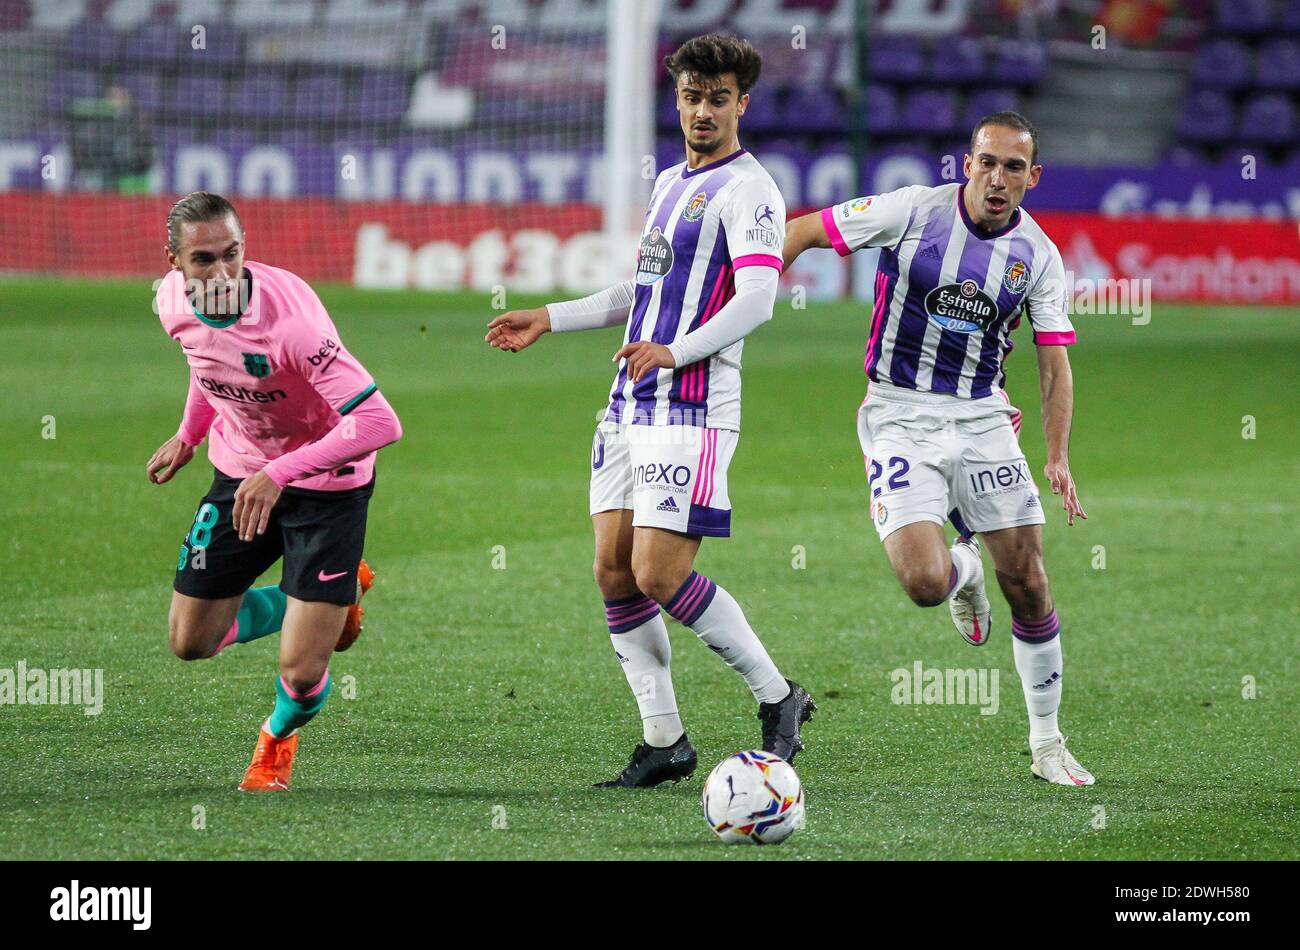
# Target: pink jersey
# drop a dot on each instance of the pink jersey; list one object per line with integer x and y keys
{"x": 277, "y": 376}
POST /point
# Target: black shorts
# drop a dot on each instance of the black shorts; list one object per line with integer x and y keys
{"x": 320, "y": 535}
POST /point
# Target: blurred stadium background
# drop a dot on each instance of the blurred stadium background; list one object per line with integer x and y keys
{"x": 457, "y": 143}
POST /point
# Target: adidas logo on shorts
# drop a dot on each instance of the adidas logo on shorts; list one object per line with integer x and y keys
{"x": 668, "y": 505}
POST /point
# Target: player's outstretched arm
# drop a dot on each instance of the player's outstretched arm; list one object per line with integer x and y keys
{"x": 1056, "y": 383}
{"x": 518, "y": 329}
{"x": 803, "y": 233}
{"x": 176, "y": 452}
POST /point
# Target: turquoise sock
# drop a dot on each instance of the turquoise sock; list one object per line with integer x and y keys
{"x": 261, "y": 613}
{"x": 291, "y": 713}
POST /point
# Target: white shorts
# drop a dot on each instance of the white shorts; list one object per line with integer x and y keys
{"x": 934, "y": 457}
{"x": 672, "y": 477}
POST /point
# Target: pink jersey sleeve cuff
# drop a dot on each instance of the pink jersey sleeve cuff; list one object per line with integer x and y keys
{"x": 757, "y": 260}
{"x": 1059, "y": 338}
{"x": 833, "y": 232}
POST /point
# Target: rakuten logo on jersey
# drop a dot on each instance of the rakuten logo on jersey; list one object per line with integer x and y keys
{"x": 242, "y": 393}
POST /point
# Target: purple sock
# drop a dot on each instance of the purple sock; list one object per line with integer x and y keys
{"x": 1036, "y": 631}
{"x": 691, "y": 599}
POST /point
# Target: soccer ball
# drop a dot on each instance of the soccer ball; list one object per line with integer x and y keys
{"x": 754, "y": 797}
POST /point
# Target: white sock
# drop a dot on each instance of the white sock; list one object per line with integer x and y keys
{"x": 717, "y": 619}
{"x": 1039, "y": 664}
{"x": 645, "y": 654}
{"x": 966, "y": 563}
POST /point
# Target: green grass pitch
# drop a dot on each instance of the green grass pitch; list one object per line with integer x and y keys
{"x": 483, "y": 694}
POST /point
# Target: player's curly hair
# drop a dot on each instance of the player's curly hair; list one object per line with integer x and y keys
{"x": 713, "y": 55}
{"x": 195, "y": 207}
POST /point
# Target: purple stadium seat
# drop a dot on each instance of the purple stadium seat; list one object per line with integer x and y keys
{"x": 812, "y": 110}
{"x": 987, "y": 101}
{"x": 895, "y": 59}
{"x": 1245, "y": 17}
{"x": 259, "y": 96}
{"x": 1288, "y": 20}
{"x": 1268, "y": 119}
{"x": 68, "y": 85}
{"x": 958, "y": 60}
{"x": 198, "y": 91}
{"x": 320, "y": 97}
{"x": 146, "y": 91}
{"x": 930, "y": 112}
{"x": 1222, "y": 64}
{"x": 90, "y": 43}
{"x": 882, "y": 111}
{"x": 382, "y": 95}
{"x": 1020, "y": 62}
{"x": 224, "y": 47}
{"x": 666, "y": 109}
{"x": 1277, "y": 64}
{"x": 156, "y": 42}
{"x": 762, "y": 114}
{"x": 1207, "y": 117}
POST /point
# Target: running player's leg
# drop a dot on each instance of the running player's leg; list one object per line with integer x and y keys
{"x": 212, "y": 605}
{"x": 997, "y": 497}
{"x": 636, "y": 629}
{"x": 323, "y": 535}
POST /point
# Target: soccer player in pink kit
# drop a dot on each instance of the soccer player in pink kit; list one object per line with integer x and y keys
{"x": 294, "y": 423}
{"x": 960, "y": 264}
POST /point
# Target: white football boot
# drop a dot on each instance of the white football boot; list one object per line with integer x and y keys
{"x": 969, "y": 605}
{"x": 1053, "y": 763}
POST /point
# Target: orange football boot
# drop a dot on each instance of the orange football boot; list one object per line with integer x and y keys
{"x": 352, "y": 626}
{"x": 272, "y": 764}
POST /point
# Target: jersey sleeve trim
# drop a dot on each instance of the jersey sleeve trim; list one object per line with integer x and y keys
{"x": 1058, "y": 338}
{"x": 358, "y": 399}
{"x": 758, "y": 260}
{"x": 833, "y": 232}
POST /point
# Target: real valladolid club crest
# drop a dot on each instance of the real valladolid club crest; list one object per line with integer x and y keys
{"x": 257, "y": 365}
{"x": 1016, "y": 277}
{"x": 695, "y": 210}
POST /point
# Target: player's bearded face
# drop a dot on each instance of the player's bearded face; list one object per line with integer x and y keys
{"x": 211, "y": 257}
{"x": 709, "y": 109}
{"x": 999, "y": 172}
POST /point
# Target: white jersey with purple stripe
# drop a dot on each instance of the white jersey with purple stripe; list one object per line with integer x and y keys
{"x": 702, "y": 226}
{"x": 947, "y": 293}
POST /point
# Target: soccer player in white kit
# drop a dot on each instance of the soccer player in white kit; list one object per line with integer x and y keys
{"x": 960, "y": 264}
{"x": 706, "y": 276}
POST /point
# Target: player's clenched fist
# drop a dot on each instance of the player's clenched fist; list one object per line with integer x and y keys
{"x": 642, "y": 357}
{"x": 254, "y": 499}
{"x": 171, "y": 456}
{"x": 1062, "y": 482}
{"x": 517, "y": 329}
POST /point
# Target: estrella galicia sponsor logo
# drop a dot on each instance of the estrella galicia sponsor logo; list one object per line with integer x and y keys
{"x": 75, "y": 902}
{"x": 1001, "y": 479}
{"x": 673, "y": 477}
{"x": 241, "y": 393}
{"x": 258, "y": 365}
{"x": 668, "y": 505}
{"x": 1016, "y": 277}
{"x": 961, "y": 308}
{"x": 654, "y": 259}
{"x": 696, "y": 208}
